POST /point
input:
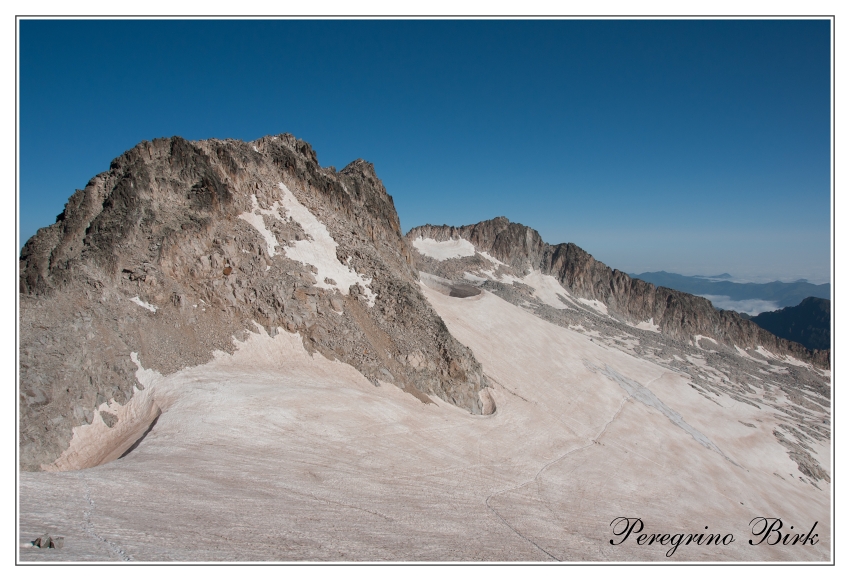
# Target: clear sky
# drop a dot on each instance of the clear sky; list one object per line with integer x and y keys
{"x": 696, "y": 147}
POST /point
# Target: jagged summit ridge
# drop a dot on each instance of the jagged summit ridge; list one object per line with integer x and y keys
{"x": 677, "y": 314}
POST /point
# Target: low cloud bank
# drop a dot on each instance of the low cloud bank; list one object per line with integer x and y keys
{"x": 749, "y": 306}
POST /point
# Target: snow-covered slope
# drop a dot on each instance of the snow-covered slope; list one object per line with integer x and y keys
{"x": 275, "y": 454}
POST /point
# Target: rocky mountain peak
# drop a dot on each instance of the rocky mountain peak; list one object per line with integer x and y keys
{"x": 522, "y": 250}
{"x": 182, "y": 247}
{"x": 362, "y": 168}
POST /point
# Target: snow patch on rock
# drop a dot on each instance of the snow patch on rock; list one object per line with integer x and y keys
{"x": 473, "y": 278}
{"x": 547, "y": 289}
{"x": 796, "y": 362}
{"x": 764, "y": 352}
{"x": 492, "y": 259}
{"x": 321, "y": 250}
{"x": 697, "y": 340}
{"x": 146, "y": 377}
{"x": 746, "y": 355}
{"x": 444, "y": 250}
{"x": 143, "y": 304}
{"x": 648, "y": 326}
{"x": 255, "y": 219}
{"x": 504, "y": 278}
{"x": 596, "y": 305}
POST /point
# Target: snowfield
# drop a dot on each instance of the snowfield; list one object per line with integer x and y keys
{"x": 547, "y": 289}
{"x": 445, "y": 249}
{"x": 274, "y": 454}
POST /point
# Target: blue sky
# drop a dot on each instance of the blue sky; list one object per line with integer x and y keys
{"x": 696, "y": 147}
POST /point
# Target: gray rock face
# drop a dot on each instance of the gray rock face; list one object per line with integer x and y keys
{"x": 155, "y": 257}
{"x": 46, "y": 541}
{"x": 678, "y": 315}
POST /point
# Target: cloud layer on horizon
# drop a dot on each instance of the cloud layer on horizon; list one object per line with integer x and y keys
{"x": 749, "y": 306}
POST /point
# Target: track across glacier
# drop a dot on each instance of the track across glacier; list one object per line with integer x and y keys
{"x": 274, "y": 454}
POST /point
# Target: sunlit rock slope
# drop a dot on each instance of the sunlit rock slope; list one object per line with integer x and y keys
{"x": 182, "y": 246}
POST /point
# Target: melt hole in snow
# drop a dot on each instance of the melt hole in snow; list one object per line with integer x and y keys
{"x": 142, "y": 437}
{"x": 446, "y": 287}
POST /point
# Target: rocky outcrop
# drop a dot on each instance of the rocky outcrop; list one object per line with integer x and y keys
{"x": 677, "y": 314}
{"x": 183, "y": 246}
{"x": 807, "y": 323}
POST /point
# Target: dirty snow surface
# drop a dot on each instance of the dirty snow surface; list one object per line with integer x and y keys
{"x": 445, "y": 249}
{"x": 274, "y": 454}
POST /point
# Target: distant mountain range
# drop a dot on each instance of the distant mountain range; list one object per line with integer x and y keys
{"x": 807, "y": 323}
{"x": 783, "y": 294}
